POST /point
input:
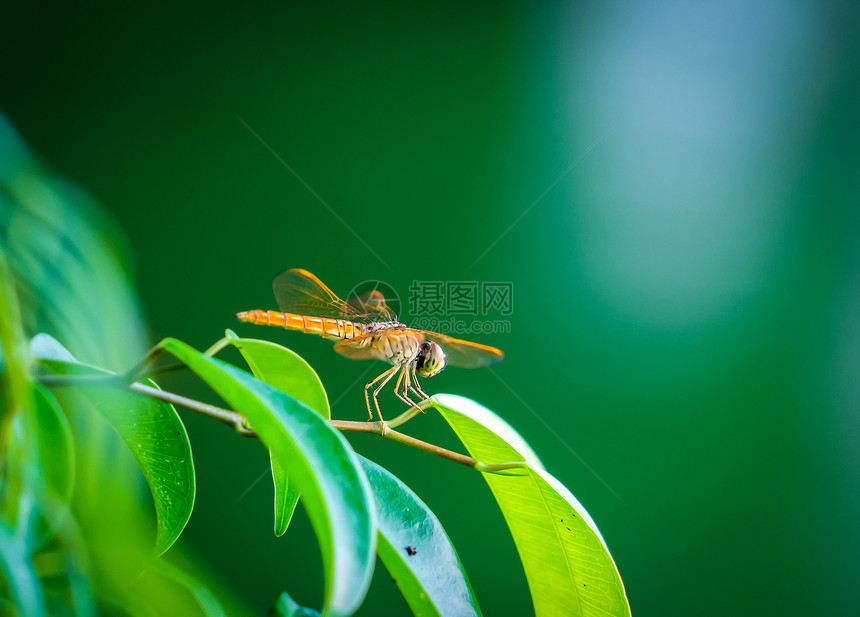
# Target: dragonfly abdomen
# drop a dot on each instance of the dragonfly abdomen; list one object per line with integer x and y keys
{"x": 323, "y": 326}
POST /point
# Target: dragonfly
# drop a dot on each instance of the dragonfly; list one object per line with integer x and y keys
{"x": 366, "y": 328}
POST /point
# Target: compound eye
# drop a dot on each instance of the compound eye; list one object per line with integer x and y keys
{"x": 431, "y": 360}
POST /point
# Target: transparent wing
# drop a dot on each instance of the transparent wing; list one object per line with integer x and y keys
{"x": 464, "y": 354}
{"x": 372, "y": 303}
{"x": 300, "y": 292}
{"x": 459, "y": 353}
{"x": 352, "y": 348}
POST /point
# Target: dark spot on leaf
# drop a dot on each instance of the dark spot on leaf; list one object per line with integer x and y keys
{"x": 393, "y": 581}
{"x": 568, "y": 528}
{"x": 411, "y": 550}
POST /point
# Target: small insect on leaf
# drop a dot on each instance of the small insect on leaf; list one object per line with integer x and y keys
{"x": 411, "y": 550}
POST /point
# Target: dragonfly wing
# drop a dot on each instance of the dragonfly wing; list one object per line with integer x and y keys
{"x": 372, "y": 303}
{"x": 358, "y": 348}
{"x": 300, "y": 292}
{"x": 464, "y": 354}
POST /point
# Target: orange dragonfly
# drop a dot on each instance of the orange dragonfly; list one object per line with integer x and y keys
{"x": 367, "y": 329}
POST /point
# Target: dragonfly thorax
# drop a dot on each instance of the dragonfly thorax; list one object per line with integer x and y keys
{"x": 382, "y": 325}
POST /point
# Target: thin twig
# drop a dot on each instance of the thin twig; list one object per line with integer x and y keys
{"x": 240, "y": 424}
{"x": 379, "y": 429}
{"x": 231, "y": 418}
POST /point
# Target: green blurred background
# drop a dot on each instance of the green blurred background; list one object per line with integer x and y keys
{"x": 686, "y": 299}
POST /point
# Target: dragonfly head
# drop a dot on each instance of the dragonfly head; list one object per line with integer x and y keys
{"x": 431, "y": 359}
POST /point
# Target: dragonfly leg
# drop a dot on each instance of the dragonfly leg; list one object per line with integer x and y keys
{"x": 404, "y": 373}
{"x": 417, "y": 387}
{"x": 399, "y": 380}
{"x": 367, "y": 397}
{"x": 404, "y": 396}
{"x": 387, "y": 377}
{"x": 412, "y": 384}
{"x": 407, "y": 383}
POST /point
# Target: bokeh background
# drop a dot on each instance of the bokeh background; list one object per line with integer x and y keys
{"x": 685, "y": 342}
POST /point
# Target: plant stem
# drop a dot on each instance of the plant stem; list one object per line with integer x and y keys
{"x": 383, "y": 430}
{"x": 231, "y": 418}
{"x": 239, "y": 424}
{"x": 218, "y": 346}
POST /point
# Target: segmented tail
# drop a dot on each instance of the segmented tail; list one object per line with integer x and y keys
{"x": 323, "y": 326}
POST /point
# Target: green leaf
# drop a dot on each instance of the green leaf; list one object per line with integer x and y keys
{"x": 69, "y": 259}
{"x": 46, "y": 347}
{"x": 202, "y": 595}
{"x": 24, "y": 585}
{"x": 56, "y": 445}
{"x": 287, "y": 607}
{"x": 22, "y": 483}
{"x": 416, "y": 550}
{"x": 336, "y": 493}
{"x": 284, "y": 369}
{"x": 567, "y": 564}
{"x": 69, "y": 586}
{"x": 152, "y": 431}
{"x": 289, "y": 373}
{"x": 41, "y": 465}
{"x": 70, "y": 271}
{"x": 286, "y": 494}
{"x": 16, "y": 389}
{"x": 157, "y": 587}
